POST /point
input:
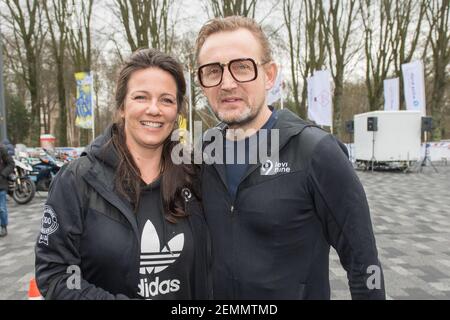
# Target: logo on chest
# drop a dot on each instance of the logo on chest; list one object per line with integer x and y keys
{"x": 154, "y": 260}
{"x": 270, "y": 168}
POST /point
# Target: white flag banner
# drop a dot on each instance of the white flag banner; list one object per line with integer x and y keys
{"x": 275, "y": 93}
{"x": 414, "y": 86}
{"x": 392, "y": 94}
{"x": 310, "y": 85}
{"x": 319, "y": 98}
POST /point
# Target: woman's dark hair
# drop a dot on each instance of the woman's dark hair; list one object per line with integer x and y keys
{"x": 174, "y": 177}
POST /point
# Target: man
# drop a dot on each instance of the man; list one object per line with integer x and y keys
{"x": 271, "y": 233}
{"x": 6, "y": 168}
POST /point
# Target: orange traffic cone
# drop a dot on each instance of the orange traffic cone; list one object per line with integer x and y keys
{"x": 33, "y": 291}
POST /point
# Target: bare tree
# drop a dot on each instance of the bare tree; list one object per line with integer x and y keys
{"x": 406, "y": 25}
{"x": 294, "y": 50}
{"x": 105, "y": 81}
{"x": 48, "y": 89}
{"x": 185, "y": 50}
{"x": 25, "y": 21}
{"x": 355, "y": 102}
{"x": 225, "y": 8}
{"x": 79, "y": 36}
{"x": 437, "y": 16}
{"x": 406, "y": 31}
{"x": 57, "y": 19}
{"x": 315, "y": 46}
{"x": 378, "y": 27}
{"x": 146, "y": 23}
{"x": 307, "y": 53}
{"x": 338, "y": 20}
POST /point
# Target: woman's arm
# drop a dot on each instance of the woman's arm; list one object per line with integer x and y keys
{"x": 57, "y": 248}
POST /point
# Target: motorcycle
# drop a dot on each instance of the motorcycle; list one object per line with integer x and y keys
{"x": 20, "y": 187}
{"x": 44, "y": 171}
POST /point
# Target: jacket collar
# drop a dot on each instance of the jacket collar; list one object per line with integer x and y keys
{"x": 288, "y": 124}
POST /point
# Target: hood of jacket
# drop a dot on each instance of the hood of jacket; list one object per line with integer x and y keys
{"x": 290, "y": 125}
{"x": 102, "y": 149}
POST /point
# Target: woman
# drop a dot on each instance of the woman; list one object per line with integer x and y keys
{"x": 123, "y": 221}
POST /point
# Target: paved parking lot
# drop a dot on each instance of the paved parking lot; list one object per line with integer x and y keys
{"x": 411, "y": 219}
{"x": 17, "y": 249}
{"x": 410, "y": 214}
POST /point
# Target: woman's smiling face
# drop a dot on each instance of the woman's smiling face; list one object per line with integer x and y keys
{"x": 150, "y": 108}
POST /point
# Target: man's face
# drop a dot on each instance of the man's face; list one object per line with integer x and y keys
{"x": 233, "y": 102}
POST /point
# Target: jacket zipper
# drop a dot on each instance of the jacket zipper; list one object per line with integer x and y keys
{"x": 233, "y": 250}
{"x": 233, "y": 244}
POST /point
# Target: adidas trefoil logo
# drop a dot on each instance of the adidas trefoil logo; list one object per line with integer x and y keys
{"x": 153, "y": 259}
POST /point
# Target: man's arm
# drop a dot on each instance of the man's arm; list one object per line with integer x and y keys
{"x": 342, "y": 207}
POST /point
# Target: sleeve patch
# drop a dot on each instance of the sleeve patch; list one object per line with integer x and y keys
{"x": 49, "y": 224}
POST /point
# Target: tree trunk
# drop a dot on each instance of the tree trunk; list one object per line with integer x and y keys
{"x": 62, "y": 135}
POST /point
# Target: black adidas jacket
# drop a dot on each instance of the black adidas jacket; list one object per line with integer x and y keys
{"x": 86, "y": 224}
{"x": 273, "y": 240}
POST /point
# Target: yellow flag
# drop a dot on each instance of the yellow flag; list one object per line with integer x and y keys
{"x": 182, "y": 122}
{"x": 84, "y": 100}
{"x": 182, "y": 125}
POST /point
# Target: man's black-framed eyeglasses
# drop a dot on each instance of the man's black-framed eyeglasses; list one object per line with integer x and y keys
{"x": 242, "y": 70}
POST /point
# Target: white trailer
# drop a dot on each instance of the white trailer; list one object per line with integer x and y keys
{"x": 397, "y": 142}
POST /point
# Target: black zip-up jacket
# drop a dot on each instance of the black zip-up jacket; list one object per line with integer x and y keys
{"x": 6, "y": 167}
{"x": 86, "y": 224}
{"x": 273, "y": 240}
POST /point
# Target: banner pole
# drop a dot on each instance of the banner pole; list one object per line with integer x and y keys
{"x": 332, "y": 88}
{"x": 92, "y": 106}
{"x": 3, "y": 126}
{"x": 190, "y": 106}
{"x": 332, "y": 116}
{"x": 281, "y": 88}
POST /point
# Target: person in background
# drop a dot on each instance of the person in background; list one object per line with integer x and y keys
{"x": 9, "y": 146}
{"x": 6, "y": 168}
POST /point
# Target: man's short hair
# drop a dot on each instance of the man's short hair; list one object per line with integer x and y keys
{"x": 233, "y": 23}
